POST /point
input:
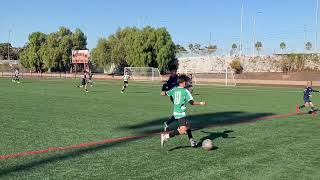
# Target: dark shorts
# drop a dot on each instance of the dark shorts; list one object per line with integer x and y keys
{"x": 125, "y": 83}
{"x": 84, "y": 82}
{"x": 306, "y": 99}
{"x": 183, "y": 122}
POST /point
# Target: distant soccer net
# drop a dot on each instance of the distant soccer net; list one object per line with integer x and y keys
{"x": 143, "y": 73}
{"x": 224, "y": 77}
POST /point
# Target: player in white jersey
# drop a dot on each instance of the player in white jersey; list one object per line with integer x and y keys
{"x": 125, "y": 78}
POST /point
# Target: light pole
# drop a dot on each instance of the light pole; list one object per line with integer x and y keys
{"x": 241, "y": 31}
{"x": 317, "y": 16}
{"x": 254, "y": 33}
{"x": 9, "y": 32}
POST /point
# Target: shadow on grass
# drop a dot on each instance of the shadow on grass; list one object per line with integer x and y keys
{"x": 56, "y": 158}
{"x": 199, "y": 121}
{"x": 210, "y": 135}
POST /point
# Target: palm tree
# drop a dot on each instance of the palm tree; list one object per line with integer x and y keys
{"x": 308, "y": 46}
{"x": 282, "y": 45}
{"x": 234, "y": 47}
{"x": 258, "y": 46}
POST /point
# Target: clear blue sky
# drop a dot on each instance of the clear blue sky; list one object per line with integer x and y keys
{"x": 187, "y": 20}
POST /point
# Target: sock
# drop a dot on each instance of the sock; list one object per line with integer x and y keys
{"x": 173, "y": 133}
{"x": 171, "y": 120}
{"x": 189, "y": 134}
{"x": 302, "y": 106}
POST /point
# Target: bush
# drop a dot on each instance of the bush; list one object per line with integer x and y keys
{"x": 236, "y": 66}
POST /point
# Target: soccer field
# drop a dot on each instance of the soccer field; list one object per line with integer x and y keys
{"x": 251, "y": 140}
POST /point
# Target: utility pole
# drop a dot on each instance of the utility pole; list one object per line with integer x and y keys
{"x": 241, "y": 31}
{"x": 9, "y": 33}
{"x": 317, "y": 16}
{"x": 254, "y": 33}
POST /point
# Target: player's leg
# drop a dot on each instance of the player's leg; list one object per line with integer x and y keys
{"x": 184, "y": 123}
{"x": 168, "y": 122}
{"x": 171, "y": 120}
{"x": 86, "y": 86}
{"x": 125, "y": 85}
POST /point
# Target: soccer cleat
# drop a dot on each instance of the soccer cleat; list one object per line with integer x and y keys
{"x": 297, "y": 109}
{"x": 164, "y": 138}
{"x": 193, "y": 143}
{"x": 121, "y": 92}
{"x": 165, "y": 126}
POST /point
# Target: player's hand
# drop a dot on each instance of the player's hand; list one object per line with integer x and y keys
{"x": 163, "y": 93}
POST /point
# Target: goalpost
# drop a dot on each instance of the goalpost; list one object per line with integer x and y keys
{"x": 143, "y": 73}
{"x": 223, "y": 77}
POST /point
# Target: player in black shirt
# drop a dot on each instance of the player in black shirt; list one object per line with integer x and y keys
{"x": 306, "y": 98}
{"x": 167, "y": 86}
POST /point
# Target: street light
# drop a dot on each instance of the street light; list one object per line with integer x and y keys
{"x": 254, "y": 32}
{"x": 9, "y": 32}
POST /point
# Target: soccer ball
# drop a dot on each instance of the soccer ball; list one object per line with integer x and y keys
{"x": 207, "y": 144}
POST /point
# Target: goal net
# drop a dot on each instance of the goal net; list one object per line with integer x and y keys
{"x": 224, "y": 77}
{"x": 143, "y": 73}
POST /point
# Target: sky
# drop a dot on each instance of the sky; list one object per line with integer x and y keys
{"x": 188, "y": 21}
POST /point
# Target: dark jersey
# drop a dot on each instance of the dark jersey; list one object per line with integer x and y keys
{"x": 308, "y": 90}
{"x": 189, "y": 82}
{"x": 172, "y": 82}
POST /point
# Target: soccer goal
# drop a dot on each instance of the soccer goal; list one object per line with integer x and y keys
{"x": 224, "y": 77}
{"x": 143, "y": 73}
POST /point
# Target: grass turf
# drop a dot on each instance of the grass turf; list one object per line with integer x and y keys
{"x": 38, "y": 114}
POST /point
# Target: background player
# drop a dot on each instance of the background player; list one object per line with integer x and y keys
{"x": 189, "y": 84}
{"x": 167, "y": 86}
{"x": 84, "y": 81}
{"x": 16, "y": 76}
{"x": 306, "y": 98}
{"x": 126, "y": 78}
{"x": 181, "y": 96}
{"x": 90, "y": 74}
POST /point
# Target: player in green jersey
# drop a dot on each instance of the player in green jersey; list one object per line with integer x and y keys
{"x": 181, "y": 96}
{"x": 126, "y": 78}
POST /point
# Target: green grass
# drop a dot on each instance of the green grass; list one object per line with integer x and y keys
{"x": 38, "y": 114}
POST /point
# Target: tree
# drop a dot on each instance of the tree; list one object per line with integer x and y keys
{"x": 282, "y": 45}
{"x": 137, "y": 47}
{"x": 308, "y": 46}
{"x": 50, "y": 53}
{"x": 53, "y": 50}
{"x": 79, "y": 40}
{"x": 101, "y": 54}
{"x": 180, "y": 49}
{"x": 258, "y": 46}
{"x": 212, "y": 48}
{"x": 36, "y": 40}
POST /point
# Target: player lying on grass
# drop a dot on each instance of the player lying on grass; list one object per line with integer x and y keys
{"x": 306, "y": 98}
{"x": 16, "y": 76}
{"x": 181, "y": 96}
{"x": 84, "y": 81}
{"x": 125, "y": 78}
{"x": 167, "y": 86}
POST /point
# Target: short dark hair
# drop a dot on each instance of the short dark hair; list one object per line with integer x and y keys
{"x": 182, "y": 78}
{"x": 173, "y": 68}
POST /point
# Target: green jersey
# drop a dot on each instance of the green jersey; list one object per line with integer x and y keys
{"x": 181, "y": 97}
{"x": 126, "y": 77}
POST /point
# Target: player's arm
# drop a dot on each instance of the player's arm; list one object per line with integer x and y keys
{"x": 313, "y": 90}
{"x": 197, "y": 103}
{"x": 163, "y": 93}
